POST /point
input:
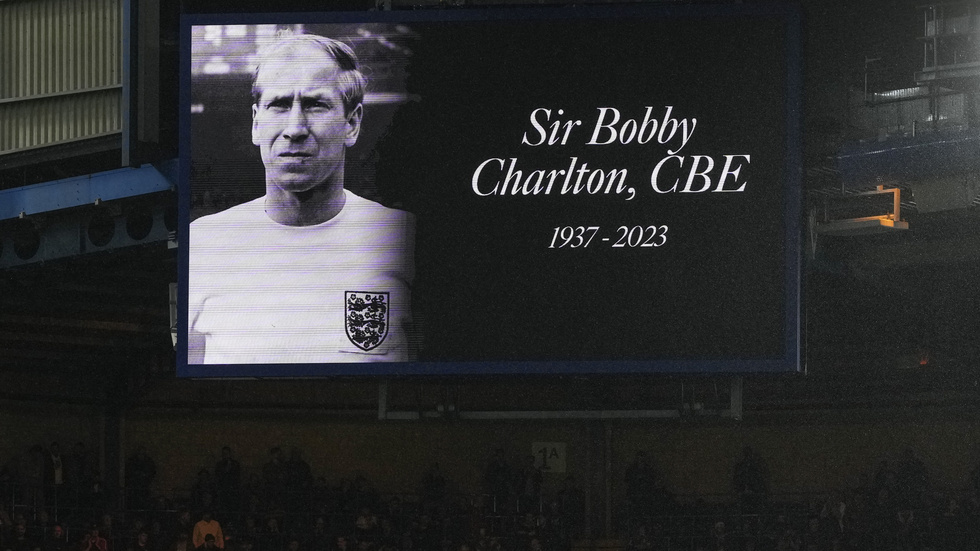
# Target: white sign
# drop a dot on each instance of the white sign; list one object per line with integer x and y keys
{"x": 549, "y": 456}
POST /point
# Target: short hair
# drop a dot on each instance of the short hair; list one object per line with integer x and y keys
{"x": 351, "y": 81}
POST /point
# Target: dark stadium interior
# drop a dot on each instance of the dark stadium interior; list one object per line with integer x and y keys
{"x": 882, "y": 422}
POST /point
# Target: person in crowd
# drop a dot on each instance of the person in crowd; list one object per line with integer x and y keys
{"x": 78, "y": 472}
{"x": 340, "y": 544}
{"x": 107, "y": 528}
{"x": 299, "y": 479}
{"x": 22, "y": 539}
{"x": 432, "y": 488}
{"x": 274, "y": 476}
{"x": 202, "y": 493}
{"x": 497, "y": 480}
{"x": 751, "y": 482}
{"x": 205, "y": 527}
{"x": 55, "y": 540}
{"x": 528, "y": 485}
{"x": 142, "y": 541}
{"x": 271, "y": 536}
{"x": 140, "y": 470}
{"x": 569, "y": 509}
{"x": 210, "y": 543}
{"x": 182, "y": 543}
{"x": 93, "y": 541}
{"x": 366, "y": 525}
{"x": 32, "y": 472}
{"x": 319, "y": 536}
{"x": 55, "y": 476}
{"x": 227, "y": 481}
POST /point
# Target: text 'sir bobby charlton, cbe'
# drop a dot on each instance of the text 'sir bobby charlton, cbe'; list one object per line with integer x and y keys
{"x": 310, "y": 272}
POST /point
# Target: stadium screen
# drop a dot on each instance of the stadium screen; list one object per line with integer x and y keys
{"x": 587, "y": 190}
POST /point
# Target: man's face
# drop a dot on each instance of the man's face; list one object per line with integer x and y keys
{"x": 299, "y": 123}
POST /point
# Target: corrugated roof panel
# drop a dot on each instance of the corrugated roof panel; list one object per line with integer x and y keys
{"x": 59, "y": 119}
{"x": 60, "y": 71}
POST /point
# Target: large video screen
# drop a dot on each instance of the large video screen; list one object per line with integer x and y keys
{"x": 559, "y": 190}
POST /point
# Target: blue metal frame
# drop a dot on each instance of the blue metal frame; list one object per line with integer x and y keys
{"x": 85, "y": 190}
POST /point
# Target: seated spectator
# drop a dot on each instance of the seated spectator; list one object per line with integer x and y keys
{"x": 227, "y": 481}
{"x": 158, "y": 540}
{"x": 751, "y": 482}
{"x": 183, "y": 524}
{"x": 182, "y": 543}
{"x": 142, "y": 542}
{"x": 205, "y": 527}
{"x": 340, "y": 544}
{"x": 432, "y": 489}
{"x": 274, "y": 477}
{"x": 319, "y": 539}
{"x": 527, "y": 484}
{"x": 366, "y": 525}
{"x": 106, "y": 529}
{"x": 497, "y": 479}
{"x": 270, "y": 539}
{"x": 55, "y": 540}
{"x": 139, "y": 471}
{"x": 22, "y": 539}
{"x": 527, "y": 528}
{"x": 202, "y": 493}
{"x": 93, "y": 541}
{"x": 815, "y": 537}
{"x": 299, "y": 476}
{"x": 210, "y": 543}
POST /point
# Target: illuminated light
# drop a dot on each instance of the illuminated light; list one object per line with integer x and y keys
{"x": 197, "y": 108}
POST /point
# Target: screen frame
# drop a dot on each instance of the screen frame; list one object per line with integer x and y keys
{"x": 790, "y": 359}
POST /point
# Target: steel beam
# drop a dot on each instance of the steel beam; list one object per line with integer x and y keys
{"x": 86, "y": 190}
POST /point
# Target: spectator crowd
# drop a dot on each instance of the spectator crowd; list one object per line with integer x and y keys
{"x": 50, "y": 501}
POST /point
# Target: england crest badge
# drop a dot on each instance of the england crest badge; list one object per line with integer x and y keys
{"x": 366, "y": 318}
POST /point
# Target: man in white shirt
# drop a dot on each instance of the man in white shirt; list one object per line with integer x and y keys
{"x": 310, "y": 272}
